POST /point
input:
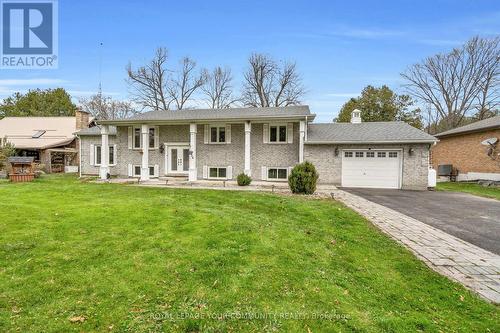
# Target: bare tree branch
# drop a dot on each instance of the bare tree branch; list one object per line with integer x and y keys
{"x": 149, "y": 82}
{"x": 185, "y": 84}
{"x": 218, "y": 89}
{"x": 104, "y": 107}
{"x": 268, "y": 84}
{"x": 457, "y": 83}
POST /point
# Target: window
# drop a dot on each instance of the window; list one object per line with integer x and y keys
{"x": 217, "y": 134}
{"x": 370, "y": 154}
{"x": 97, "y": 155}
{"x": 217, "y": 173}
{"x": 381, "y": 154}
{"x": 137, "y": 137}
{"x": 151, "y": 137}
{"x": 360, "y": 154}
{"x": 277, "y": 133}
{"x": 348, "y": 154}
{"x": 393, "y": 154}
{"x": 137, "y": 170}
{"x": 277, "y": 173}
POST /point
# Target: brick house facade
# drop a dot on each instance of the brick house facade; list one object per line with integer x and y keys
{"x": 462, "y": 149}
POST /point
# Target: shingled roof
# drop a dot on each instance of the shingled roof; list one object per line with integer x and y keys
{"x": 490, "y": 123}
{"x": 300, "y": 111}
{"x": 367, "y": 132}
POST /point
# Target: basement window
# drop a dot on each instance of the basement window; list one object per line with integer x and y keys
{"x": 277, "y": 173}
{"x": 217, "y": 173}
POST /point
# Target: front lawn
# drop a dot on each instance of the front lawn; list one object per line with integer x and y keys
{"x": 88, "y": 257}
{"x": 471, "y": 188}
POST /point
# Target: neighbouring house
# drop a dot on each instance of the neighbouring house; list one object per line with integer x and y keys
{"x": 264, "y": 143}
{"x": 465, "y": 149}
{"x": 49, "y": 140}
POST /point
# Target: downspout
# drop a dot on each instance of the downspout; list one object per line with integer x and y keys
{"x": 79, "y": 156}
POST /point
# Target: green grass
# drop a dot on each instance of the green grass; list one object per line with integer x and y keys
{"x": 135, "y": 259}
{"x": 471, "y": 188}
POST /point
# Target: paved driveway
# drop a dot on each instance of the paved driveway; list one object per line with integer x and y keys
{"x": 471, "y": 218}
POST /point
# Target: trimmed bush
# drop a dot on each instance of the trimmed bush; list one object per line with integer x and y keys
{"x": 303, "y": 178}
{"x": 243, "y": 179}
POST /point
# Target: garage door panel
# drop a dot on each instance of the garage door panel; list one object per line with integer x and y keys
{"x": 371, "y": 172}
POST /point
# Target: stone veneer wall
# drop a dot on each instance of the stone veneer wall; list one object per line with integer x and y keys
{"x": 329, "y": 166}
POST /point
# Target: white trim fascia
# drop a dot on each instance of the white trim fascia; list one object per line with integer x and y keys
{"x": 127, "y": 122}
{"x": 367, "y": 142}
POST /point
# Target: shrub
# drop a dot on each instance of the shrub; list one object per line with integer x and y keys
{"x": 243, "y": 179}
{"x": 303, "y": 178}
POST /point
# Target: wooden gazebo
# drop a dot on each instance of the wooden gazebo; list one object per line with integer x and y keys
{"x": 22, "y": 168}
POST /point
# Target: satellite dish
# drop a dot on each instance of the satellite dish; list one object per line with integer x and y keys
{"x": 489, "y": 142}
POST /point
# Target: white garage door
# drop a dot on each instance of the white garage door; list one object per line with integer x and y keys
{"x": 371, "y": 168}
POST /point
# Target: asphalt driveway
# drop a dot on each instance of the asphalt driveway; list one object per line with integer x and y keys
{"x": 471, "y": 218}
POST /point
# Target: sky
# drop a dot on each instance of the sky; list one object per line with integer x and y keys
{"x": 339, "y": 46}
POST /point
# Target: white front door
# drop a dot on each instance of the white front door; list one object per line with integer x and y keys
{"x": 371, "y": 168}
{"x": 177, "y": 160}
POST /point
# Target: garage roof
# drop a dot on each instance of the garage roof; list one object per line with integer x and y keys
{"x": 490, "y": 123}
{"x": 367, "y": 132}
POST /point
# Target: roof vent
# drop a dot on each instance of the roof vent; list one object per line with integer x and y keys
{"x": 356, "y": 116}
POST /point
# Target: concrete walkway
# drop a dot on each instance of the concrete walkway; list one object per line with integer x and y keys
{"x": 475, "y": 268}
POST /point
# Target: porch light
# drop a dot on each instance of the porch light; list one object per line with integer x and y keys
{"x": 162, "y": 148}
{"x": 336, "y": 151}
{"x": 411, "y": 151}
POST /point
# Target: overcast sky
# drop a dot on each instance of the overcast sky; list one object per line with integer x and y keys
{"x": 339, "y": 46}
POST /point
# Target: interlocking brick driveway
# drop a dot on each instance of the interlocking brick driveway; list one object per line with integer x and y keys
{"x": 474, "y": 267}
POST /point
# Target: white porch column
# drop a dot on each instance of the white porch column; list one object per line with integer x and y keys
{"x": 193, "y": 173}
{"x": 145, "y": 152}
{"x": 104, "y": 169}
{"x": 248, "y": 131}
{"x": 302, "y": 133}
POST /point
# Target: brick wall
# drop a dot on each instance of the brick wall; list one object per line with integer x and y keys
{"x": 466, "y": 153}
{"x": 223, "y": 155}
{"x": 329, "y": 166}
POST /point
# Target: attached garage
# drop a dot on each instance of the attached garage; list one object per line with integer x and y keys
{"x": 392, "y": 155}
{"x": 371, "y": 168}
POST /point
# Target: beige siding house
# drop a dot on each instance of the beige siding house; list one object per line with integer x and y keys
{"x": 265, "y": 143}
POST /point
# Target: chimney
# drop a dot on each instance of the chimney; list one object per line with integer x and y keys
{"x": 356, "y": 116}
{"x": 82, "y": 119}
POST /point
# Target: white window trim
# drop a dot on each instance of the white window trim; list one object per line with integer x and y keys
{"x": 140, "y": 168}
{"x": 277, "y": 179}
{"x": 218, "y": 126}
{"x": 217, "y": 167}
{"x": 277, "y": 134}
{"x": 156, "y": 134}
{"x": 114, "y": 155}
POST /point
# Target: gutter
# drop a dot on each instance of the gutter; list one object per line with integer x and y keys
{"x": 199, "y": 121}
{"x": 368, "y": 142}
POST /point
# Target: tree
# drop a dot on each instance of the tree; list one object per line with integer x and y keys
{"x": 218, "y": 89}
{"x": 457, "y": 83}
{"x": 104, "y": 107}
{"x": 6, "y": 151}
{"x": 269, "y": 84}
{"x": 41, "y": 103}
{"x": 187, "y": 81}
{"x": 382, "y": 104}
{"x": 149, "y": 82}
